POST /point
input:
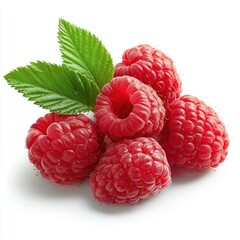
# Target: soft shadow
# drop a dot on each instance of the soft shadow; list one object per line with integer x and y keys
{"x": 182, "y": 176}
{"x": 29, "y": 181}
{"x": 112, "y": 208}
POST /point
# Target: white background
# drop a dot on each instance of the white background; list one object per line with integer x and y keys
{"x": 202, "y": 38}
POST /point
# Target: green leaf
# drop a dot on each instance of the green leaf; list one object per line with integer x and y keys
{"x": 54, "y": 87}
{"x": 83, "y": 52}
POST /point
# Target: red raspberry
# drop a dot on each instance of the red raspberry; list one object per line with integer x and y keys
{"x": 152, "y": 67}
{"x": 127, "y": 108}
{"x": 63, "y": 147}
{"x": 196, "y": 137}
{"x": 130, "y": 171}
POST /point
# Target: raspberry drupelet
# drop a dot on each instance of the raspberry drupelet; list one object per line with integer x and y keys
{"x": 64, "y": 148}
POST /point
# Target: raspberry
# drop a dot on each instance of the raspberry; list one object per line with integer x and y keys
{"x": 130, "y": 171}
{"x": 63, "y": 147}
{"x": 127, "y": 108}
{"x": 152, "y": 67}
{"x": 196, "y": 137}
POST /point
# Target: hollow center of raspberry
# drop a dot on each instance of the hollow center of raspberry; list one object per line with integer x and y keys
{"x": 122, "y": 108}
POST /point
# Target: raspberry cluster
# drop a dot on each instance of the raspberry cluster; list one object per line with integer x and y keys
{"x": 143, "y": 128}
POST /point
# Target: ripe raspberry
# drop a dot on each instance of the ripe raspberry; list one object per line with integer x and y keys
{"x": 196, "y": 137}
{"x": 152, "y": 67}
{"x": 127, "y": 108}
{"x": 63, "y": 147}
{"x": 130, "y": 171}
